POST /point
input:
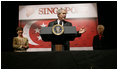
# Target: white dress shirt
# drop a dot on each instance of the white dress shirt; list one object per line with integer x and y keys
{"x": 58, "y": 21}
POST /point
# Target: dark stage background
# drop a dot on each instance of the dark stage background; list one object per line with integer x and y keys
{"x": 107, "y": 15}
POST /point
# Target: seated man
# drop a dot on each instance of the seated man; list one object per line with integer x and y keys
{"x": 99, "y": 40}
{"x": 20, "y": 43}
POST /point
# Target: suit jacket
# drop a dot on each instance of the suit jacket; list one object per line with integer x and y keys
{"x": 55, "y": 22}
{"x": 66, "y": 44}
{"x": 97, "y": 43}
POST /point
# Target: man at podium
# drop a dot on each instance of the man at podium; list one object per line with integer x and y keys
{"x": 61, "y": 14}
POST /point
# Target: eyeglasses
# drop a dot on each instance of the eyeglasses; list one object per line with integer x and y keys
{"x": 20, "y": 31}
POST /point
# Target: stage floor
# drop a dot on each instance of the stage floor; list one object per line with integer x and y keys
{"x": 98, "y": 59}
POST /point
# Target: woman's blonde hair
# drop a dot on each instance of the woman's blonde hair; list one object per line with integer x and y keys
{"x": 100, "y": 26}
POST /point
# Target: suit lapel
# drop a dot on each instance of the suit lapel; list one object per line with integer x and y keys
{"x": 55, "y": 22}
{"x": 64, "y": 23}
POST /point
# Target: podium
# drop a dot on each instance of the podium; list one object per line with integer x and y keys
{"x": 69, "y": 34}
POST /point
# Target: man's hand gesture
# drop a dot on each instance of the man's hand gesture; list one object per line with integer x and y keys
{"x": 82, "y": 30}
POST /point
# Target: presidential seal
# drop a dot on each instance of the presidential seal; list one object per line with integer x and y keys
{"x": 58, "y": 29}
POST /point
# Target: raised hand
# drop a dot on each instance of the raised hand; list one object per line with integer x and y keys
{"x": 82, "y": 30}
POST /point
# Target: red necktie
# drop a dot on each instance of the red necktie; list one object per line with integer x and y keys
{"x": 100, "y": 37}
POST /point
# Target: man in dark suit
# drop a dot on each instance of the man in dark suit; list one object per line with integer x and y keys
{"x": 61, "y": 13}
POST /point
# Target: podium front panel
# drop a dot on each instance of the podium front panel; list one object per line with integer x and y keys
{"x": 46, "y": 30}
{"x": 70, "y": 30}
{"x": 68, "y": 35}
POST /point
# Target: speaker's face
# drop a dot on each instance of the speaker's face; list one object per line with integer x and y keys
{"x": 62, "y": 15}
